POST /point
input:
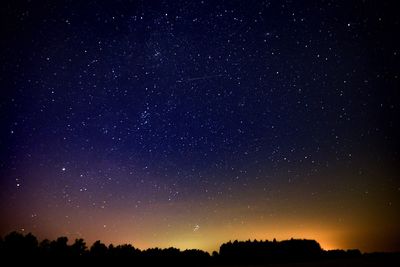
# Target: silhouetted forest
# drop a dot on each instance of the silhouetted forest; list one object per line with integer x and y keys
{"x": 17, "y": 248}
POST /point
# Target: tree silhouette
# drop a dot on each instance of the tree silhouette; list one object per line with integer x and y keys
{"x": 18, "y": 244}
{"x": 22, "y": 249}
{"x": 59, "y": 248}
{"x": 266, "y": 251}
{"x": 79, "y": 247}
{"x": 99, "y": 254}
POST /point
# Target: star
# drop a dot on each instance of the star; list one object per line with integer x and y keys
{"x": 149, "y": 115}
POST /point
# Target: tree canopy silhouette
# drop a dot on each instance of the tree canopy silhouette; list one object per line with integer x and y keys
{"x": 19, "y": 248}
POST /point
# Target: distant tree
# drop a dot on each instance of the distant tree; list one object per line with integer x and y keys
{"x": 22, "y": 250}
{"x": 45, "y": 244}
{"x": 18, "y": 244}
{"x": 45, "y": 249}
{"x": 342, "y": 254}
{"x": 126, "y": 251}
{"x": 61, "y": 243}
{"x": 59, "y": 248}
{"x": 13, "y": 242}
{"x": 98, "y": 250}
{"x": 79, "y": 247}
{"x": 261, "y": 252}
{"x": 353, "y": 253}
{"x": 19, "y": 248}
{"x": 30, "y": 245}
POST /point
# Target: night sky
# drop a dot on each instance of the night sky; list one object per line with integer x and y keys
{"x": 192, "y": 123}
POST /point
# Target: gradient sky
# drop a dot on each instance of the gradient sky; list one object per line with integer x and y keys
{"x": 192, "y": 123}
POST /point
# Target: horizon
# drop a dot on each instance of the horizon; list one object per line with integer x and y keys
{"x": 108, "y": 244}
{"x": 190, "y": 123}
{"x": 71, "y": 240}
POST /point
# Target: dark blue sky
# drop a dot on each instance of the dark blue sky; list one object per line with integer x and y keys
{"x": 132, "y": 106}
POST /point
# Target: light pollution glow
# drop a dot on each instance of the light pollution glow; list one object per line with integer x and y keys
{"x": 334, "y": 222}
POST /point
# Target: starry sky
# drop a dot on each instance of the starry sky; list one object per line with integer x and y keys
{"x": 192, "y": 123}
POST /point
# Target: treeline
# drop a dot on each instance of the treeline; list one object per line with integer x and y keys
{"x": 264, "y": 252}
{"x": 19, "y": 248}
